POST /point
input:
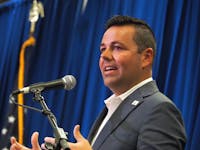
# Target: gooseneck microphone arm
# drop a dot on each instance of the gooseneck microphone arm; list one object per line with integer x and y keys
{"x": 60, "y": 135}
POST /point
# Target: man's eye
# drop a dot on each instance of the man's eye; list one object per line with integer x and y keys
{"x": 102, "y": 50}
{"x": 117, "y": 48}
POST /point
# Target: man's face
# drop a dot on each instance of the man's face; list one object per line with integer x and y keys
{"x": 120, "y": 63}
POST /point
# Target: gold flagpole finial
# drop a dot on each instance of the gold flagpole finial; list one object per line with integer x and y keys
{"x": 36, "y": 10}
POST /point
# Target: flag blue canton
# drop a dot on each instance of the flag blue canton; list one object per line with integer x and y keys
{"x": 10, "y": 127}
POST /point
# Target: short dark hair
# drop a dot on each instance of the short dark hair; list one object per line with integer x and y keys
{"x": 144, "y": 36}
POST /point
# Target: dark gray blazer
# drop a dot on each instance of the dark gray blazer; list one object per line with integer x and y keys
{"x": 146, "y": 120}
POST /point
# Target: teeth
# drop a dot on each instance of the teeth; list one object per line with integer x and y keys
{"x": 110, "y": 68}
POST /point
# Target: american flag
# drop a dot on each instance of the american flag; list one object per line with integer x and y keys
{"x": 10, "y": 127}
{"x": 14, "y": 121}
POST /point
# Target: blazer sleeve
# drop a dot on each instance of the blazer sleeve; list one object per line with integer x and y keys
{"x": 163, "y": 129}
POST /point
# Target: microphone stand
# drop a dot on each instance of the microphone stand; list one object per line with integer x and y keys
{"x": 60, "y": 135}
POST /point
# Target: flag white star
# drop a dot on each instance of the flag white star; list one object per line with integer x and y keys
{"x": 4, "y": 131}
{"x": 11, "y": 119}
{"x": 10, "y": 102}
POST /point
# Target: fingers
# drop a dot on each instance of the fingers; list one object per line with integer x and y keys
{"x": 82, "y": 143}
{"x": 48, "y": 140}
{"x": 34, "y": 141}
{"x": 16, "y": 146}
{"x": 77, "y": 134}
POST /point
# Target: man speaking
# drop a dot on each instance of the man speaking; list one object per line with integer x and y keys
{"x": 137, "y": 116}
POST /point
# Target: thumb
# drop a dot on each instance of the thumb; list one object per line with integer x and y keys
{"x": 34, "y": 141}
{"x": 16, "y": 146}
{"x": 77, "y": 134}
{"x": 13, "y": 140}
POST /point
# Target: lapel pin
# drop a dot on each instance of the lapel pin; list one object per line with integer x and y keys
{"x": 135, "y": 102}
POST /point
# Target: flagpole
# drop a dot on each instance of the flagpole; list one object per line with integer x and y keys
{"x": 35, "y": 11}
{"x": 27, "y": 43}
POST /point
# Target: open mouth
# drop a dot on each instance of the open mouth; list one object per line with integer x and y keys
{"x": 110, "y": 68}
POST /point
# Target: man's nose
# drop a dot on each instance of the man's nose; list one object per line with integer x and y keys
{"x": 107, "y": 54}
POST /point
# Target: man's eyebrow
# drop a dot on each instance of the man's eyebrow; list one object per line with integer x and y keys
{"x": 116, "y": 42}
{"x": 102, "y": 44}
{"x": 112, "y": 43}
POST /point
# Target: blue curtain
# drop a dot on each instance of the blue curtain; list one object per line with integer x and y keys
{"x": 67, "y": 42}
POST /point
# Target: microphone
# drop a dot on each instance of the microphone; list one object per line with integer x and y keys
{"x": 68, "y": 82}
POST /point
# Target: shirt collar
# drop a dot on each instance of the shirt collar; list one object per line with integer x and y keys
{"x": 127, "y": 93}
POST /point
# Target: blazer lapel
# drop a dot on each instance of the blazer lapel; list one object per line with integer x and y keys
{"x": 96, "y": 124}
{"x": 125, "y": 108}
{"x": 118, "y": 116}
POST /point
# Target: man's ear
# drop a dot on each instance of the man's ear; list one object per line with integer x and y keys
{"x": 147, "y": 57}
